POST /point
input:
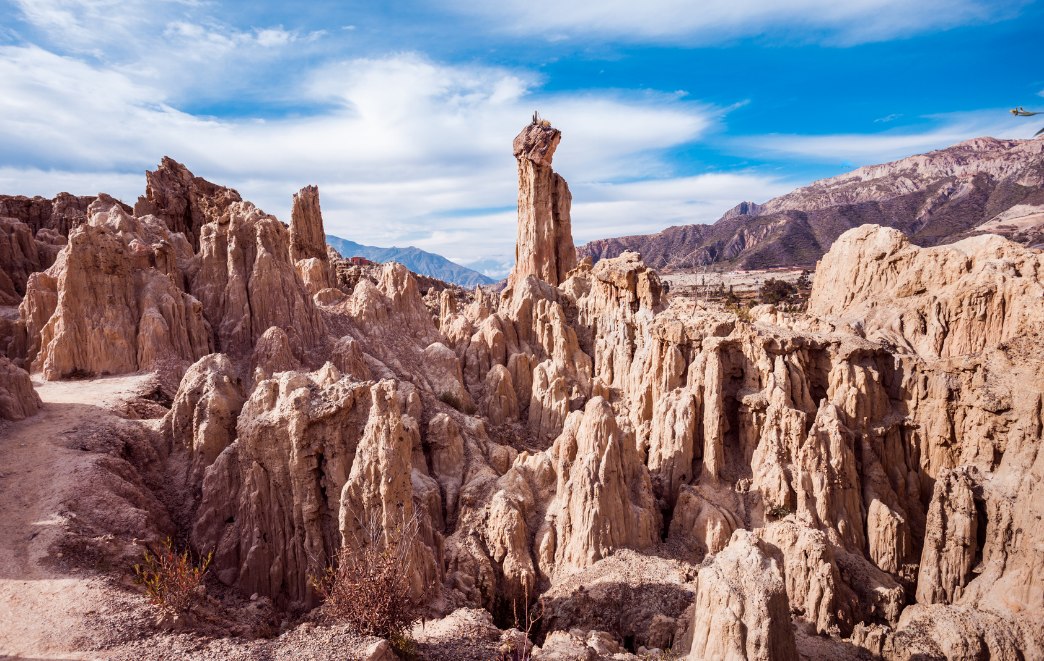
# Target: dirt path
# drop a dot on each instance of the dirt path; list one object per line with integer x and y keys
{"x": 43, "y": 609}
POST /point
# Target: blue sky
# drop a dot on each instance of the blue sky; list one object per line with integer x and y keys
{"x": 403, "y": 111}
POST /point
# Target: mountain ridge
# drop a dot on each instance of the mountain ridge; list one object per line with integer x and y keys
{"x": 934, "y": 198}
{"x": 413, "y": 258}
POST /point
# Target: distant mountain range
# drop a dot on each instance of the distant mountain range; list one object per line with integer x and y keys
{"x": 981, "y": 185}
{"x": 415, "y": 259}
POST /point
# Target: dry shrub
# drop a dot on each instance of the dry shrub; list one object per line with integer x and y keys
{"x": 520, "y": 648}
{"x": 170, "y": 578}
{"x": 368, "y": 587}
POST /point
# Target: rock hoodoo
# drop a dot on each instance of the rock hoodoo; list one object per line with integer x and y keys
{"x": 545, "y": 235}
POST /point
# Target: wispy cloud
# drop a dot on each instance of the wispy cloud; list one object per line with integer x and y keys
{"x": 882, "y": 146}
{"x": 714, "y": 21}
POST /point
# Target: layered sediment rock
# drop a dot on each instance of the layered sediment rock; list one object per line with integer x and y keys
{"x": 60, "y": 215}
{"x": 248, "y": 284}
{"x": 308, "y": 241}
{"x": 183, "y": 201}
{"x": 312, "y": 461}
{"x": 950, "y": 300}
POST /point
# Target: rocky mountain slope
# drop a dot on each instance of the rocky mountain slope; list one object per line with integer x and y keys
{"x": 859, "y": 481}
{"x": 983, "y": 184}
{"x": 415, "y": 259}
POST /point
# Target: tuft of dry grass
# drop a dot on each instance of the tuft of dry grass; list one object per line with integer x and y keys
{"x": 170, "y": 577}
{"x": 368, "y": 586}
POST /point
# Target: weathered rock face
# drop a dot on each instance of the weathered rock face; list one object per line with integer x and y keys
{"x": 308, "y": 241}
{"x": 112, "y": 303}
{"x": 545, "y": 236}
{"x": 18, "y": 398}
{"x": 21, "y": 255}
{"x": 564, "y": 509}
{"x": 310, "y": 460}
{"x": 247, "y": 284}
{"x": 203, "y": 416}
{"x": 307, "y": 237}
{"x": 183, "y": 201}
{"x": 741, "y": 608}
{"x": 950, "y": 300}
{"x": 60, "y": 215}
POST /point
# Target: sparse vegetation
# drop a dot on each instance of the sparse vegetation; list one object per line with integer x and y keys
{"x": 804, "y": 282}
{"x": 170, "y": 577}
{"x": 779, "y": 511}
{"x": 368, "y": 587}
{"x": 520, "y": 649}
{"x": 740, "y": 310}
{"x": 775, "y": 291}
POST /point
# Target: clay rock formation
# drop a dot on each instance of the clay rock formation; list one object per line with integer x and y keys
{"x": 545, "y": 236}
{"x": 202, "y": 419}
{"x": 112, "y": 302}
{"x": 949, "y": 300}
{"x": 315, "y": 462}
{"x": 867, "y": 474}
{"x": 60, "y": 215}
{"x": 18, "y": 398}
{"x": 22, "y": 254}
{"x": 247, "y": 283}
{"x": 741, "y": 608}
{"x": 182, "y": 200}
{"x": 308, "y": 241}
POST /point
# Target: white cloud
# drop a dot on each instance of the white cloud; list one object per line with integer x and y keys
{"x": 871, "y": 148}
{"x": 175, "y": 46}
{"x": 407, "y": 151}
{"x": 712, "y": 21}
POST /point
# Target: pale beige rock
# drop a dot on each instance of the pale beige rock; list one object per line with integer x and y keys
{"x": 947, "y": 300}
{"x": 247, "y": 284}
{"x": 501, "y": 404}
{"x": 603, "y": 498}
{"x": 703, "y": 522}
{"x": 203, "y": 416}
{"x": 117, "y": 307}
{"x": 377, "y": 503}
{"x": 741, "y": 609}
{"x": 443, "y": 374}
{"x": 545, "y": 238}
{"x": 18, "y": 398}
{"x": 271, "y": 506}
{"x": 950, "y": 543}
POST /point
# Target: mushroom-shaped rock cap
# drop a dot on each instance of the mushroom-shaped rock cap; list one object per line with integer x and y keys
{"x": 537, "y": 142}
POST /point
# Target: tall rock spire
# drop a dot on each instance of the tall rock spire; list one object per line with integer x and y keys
{"x": 545, "y": 237}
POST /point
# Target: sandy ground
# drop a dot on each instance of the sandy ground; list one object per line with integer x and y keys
{"x": 43, "y": 607}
